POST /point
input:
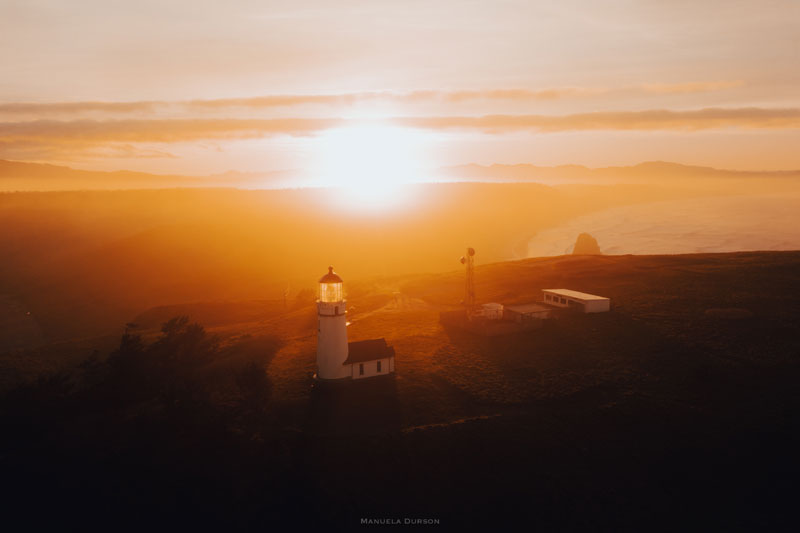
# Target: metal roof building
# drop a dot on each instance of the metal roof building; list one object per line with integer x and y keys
{"x": 587, "y": 303}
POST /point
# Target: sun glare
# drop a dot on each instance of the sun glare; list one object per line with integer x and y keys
{"x": 370, "y": 163}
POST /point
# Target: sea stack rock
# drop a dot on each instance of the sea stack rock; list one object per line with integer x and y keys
{"x": 586, "y": 245}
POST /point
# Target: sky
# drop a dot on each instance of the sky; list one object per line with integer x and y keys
{"x": 203, "y": 87}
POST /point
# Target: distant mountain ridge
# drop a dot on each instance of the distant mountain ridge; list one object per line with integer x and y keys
{"x": 18, "y": 175}
{"x": 25, "y": 176}
{"x": 580, "y": 173}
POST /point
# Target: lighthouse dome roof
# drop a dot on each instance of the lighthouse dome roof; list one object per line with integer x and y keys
{"x": 330, "y": 277}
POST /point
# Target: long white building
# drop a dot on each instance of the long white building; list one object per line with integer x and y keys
{"x": 587, "y": 303}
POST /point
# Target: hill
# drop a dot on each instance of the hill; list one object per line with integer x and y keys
{"x": 677, "y": 407}
{"x": 22, "y": 176}
{"x": 647, "y": 172}
{"x": 25, "y": 176}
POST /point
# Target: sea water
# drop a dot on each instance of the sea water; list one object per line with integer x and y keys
{"x": 696, "y": 225}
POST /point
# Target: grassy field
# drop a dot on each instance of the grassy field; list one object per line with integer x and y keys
{"x": 661, "y": 412}
{"x": 676, "y": 409}
{"x": 665, "y": 311}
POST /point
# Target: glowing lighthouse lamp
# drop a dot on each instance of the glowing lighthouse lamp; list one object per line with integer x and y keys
{"x": 332, "y": 346}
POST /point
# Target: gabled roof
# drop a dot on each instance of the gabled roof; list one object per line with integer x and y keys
{"x": 369, "y": 350}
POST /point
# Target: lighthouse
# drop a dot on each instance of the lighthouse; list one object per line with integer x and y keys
{"x": 332, "y": 349}
{"x": 338, "y": 359}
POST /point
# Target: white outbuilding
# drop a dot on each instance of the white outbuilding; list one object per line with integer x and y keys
{"x": 336, "y": 358}
{"x": 490, "y": 311}
{"x": 581, "y": 301}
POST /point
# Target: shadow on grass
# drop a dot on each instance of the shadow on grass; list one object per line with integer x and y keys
{"x": 357, "y": 407}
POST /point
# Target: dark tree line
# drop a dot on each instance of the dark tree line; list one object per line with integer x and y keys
{"x": 175, "y": 429}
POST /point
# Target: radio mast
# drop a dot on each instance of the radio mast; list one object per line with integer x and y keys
{"x": 468, "y": 260}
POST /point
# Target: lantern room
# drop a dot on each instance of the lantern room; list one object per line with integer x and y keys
{"x": 330, "y": 287}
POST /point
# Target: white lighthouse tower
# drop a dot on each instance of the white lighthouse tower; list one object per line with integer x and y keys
{"x": 332, "y": 348}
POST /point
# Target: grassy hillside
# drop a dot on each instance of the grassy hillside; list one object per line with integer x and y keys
{"x": 661, "y": 412}
{"x": 678, "y": 407}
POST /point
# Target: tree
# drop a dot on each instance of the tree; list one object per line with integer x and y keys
{"x": 254, "y": 387}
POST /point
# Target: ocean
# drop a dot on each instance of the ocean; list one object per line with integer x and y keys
{"x": 697, "y": 225}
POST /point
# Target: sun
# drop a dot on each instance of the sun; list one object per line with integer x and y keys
{"x": 369, "y": 163}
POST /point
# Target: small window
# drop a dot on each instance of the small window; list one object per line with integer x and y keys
{"x": 336, "y": 310}
{"x": 361, "y": 369}
{"x": 379, "y": 366}
{"x": 563, "y": 300}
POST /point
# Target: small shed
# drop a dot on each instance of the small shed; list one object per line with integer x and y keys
{"x": 490, "y": 311}
{"x": 525, "y": 312}
{"x": 580, "y": 301}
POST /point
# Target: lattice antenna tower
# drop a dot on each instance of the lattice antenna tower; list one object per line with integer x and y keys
{"x": 468, "y": 260}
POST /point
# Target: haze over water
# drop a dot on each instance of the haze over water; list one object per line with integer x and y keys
{"x": 695, "y": 225}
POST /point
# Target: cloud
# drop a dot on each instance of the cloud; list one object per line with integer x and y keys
{"x": 117, "y": 136}
{"x": 702, "y": 119}
{"x": 41, "y": 140}
{"x": 45, "y": 109}
{"x": 77, "y": 108}
{"x": 348, "y": 99}
{"x": 41, "y": 150}
{"x": 690, "y": 87}
{"x": 160, "y": 130}
{"x": 277, "y": 101}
